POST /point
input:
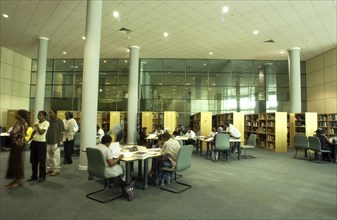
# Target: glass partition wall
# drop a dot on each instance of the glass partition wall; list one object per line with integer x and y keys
{"x": 186, "y": 86}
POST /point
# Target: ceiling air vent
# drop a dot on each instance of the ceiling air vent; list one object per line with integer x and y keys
{"x": 124, "y": 30}
{"x": 269, "y": 41}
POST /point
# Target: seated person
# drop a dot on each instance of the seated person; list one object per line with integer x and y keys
{"x": 167, "y": 130}
{"x": 169, "y": 153}
{"x": 212, "y": 133}
{"x": 191, "y": 137}
{"x": 159, "y": 144}
{"x": 158, "y": 131}
{"x": 113, "y": 168}
{"x": 176, "y": 132}
{"x": 142, "y": 136}
{"x": 235, "y": 133}
{"x": 325, "y": 144}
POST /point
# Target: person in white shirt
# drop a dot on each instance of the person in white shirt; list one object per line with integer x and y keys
{"x": 169, "y": 153}
{"x": 38, "y": 148}
{"x": 111, "y": 155}
{"x": 70, "y": 128}
{"x": 100, "y": 133}
{"x": 191, "y": 136}
{"x": 235, "y": 133}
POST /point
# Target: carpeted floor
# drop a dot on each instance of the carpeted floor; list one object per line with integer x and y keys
{"x": 272, "y": 186}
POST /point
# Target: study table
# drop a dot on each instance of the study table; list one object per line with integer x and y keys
{"x": 142, "y": 163}
{"x": 210, "y": 140}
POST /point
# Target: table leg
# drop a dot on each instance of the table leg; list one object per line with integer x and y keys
{"x": 128, "y": 173}
{"x": 140, "y": 170}
{"x": 207, "y": 150}
{"x": 200, "y": 145}
{"x": 145, "y": 178}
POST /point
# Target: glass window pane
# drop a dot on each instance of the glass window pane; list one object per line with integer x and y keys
{"x": 174, "y": 65}
{"x": 108, "y": 78}
{"x": 174, "y": 78}
{"x": 123, "y": 65}
{"x": 64, "y": 65}
{"x": 63, "y": 78}
{"x": 218, "y": 66}
{"x": 151, "y": 65}
{"x": 78, "y": 65}
{"x": 62, "y": 91}
{"x": 108, "y": 65}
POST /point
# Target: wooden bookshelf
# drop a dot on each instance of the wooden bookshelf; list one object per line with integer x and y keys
{"x": 235, "y": 118}
{"x": 290, "y": 129}
{"x": 304, "y": 123}
{"x": 171, "y": 119}
{"x": 251, "y": 126}
{"x": 201, "y": 122}
{"x": 328, "y": 123}
{"x": 150, "y": 120}
{"x": 276, "y": 132}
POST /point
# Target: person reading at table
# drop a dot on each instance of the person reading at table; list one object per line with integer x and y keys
{"x": 142, "y": 136}
{"x": 191, "y": 136}
{"x": 169, "y": 153}
{"x": 235, "y": 133}
{"x": 111, "y": 159}
{"x": 154, "y": 164}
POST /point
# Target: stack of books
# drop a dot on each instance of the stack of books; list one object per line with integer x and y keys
{"x": 140, "y": 154}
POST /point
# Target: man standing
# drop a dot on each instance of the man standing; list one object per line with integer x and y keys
{"x": 54, "y": 140}
{"x": 70, "y": 128}
{"x": 235, "y": 133}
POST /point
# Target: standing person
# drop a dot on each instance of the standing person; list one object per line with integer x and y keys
{"x": 54, "y": 140}
{"x": 142, "y": 136}
{"x": 235, "y": 133}
{"x": 70, "y": 128}
{"x": 169, "y": 153}
{"x": 38, "y": 148}
{"x": 15, "y": 162}
{"x": 99, "y": 133}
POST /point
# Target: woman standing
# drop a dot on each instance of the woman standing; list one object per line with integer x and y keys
{"x": 15, "y": 163}
{"x": 38, "y": 148}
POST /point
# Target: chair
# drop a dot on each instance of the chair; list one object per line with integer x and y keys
{"x": 77, "y": 140}
{"x": 184, "y": 160}
{"x": 301, "y": 142}
{"x": 221, "y": 144}
{"x": 251, "y": 144}
{"x": 96, "y": 168}
{"x": 315, "y": 145}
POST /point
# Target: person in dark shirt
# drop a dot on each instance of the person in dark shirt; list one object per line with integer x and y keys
{"x": 325, "y": 144}
{"x": 142, "y": 136}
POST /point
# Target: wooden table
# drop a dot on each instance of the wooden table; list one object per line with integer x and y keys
{"x": 209, "y": 140}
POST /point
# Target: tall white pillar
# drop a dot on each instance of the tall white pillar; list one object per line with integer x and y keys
{"x": 133, "y": 95}
{"x": 41, "y": 75}
{"x": 90, "y": 78}
{"x": 294, "y": 63}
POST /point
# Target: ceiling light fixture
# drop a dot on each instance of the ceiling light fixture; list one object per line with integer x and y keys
{"x": 64, "y": 52}
{"x": 210, "y": 53}
{"x": 5, "y": 15}
{"x": 83, "y": 37}
{"x": 115, "y": 14}
{"x": 282, "y": 52}
{"x": 165, "y": 34}
{"x": 225, "y": 9}
{"x": 255, "y": 32}
{"x": 104, "y": 61}
{"x": 124, "y": 30}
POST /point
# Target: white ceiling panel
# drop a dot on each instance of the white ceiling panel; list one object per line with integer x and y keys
{"x": 195, "y": 28}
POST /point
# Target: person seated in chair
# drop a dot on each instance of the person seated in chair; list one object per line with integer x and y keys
{"x": 191, "y": 137}
{"x": 142, "y": 136}
{"x": 111, "y": 160}
{"x": 169, "y": 153}
{"x": 325, "y": 144}
{"x": 235, "y": 133}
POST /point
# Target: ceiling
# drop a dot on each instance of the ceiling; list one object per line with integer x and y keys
{"x": 195, "y": 28}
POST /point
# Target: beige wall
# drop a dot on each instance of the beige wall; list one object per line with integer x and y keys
{"x": 322, "y": 83}
{"x": 15, "y": 71}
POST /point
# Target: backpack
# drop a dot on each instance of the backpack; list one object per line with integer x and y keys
{"x": 129, "y": 192}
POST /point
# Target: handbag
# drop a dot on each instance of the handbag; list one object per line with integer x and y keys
{"x": 129, "y": 192}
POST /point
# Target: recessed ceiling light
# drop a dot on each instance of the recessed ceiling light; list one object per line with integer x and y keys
{"x": 64, "y": 52}
{"x": 64, "y": 61}
{"x": 225, "y": 9}
{"x": 165, "y": 34}
{"x": 309, "y": 40}
{"x": 204, "y": 64}
{"x": 100, "y": 90}
{"x": 282, "y": 52}
{"x": 5, "y": 15}
{"x": 125, "y": 61}
{"x": 210, "y": 53}
{"x": 255, "y": 32}
{"x": 104, "y": 61}
{"x": 83, "y": 37}
{"x": 115, "y": 14}
{"x": 128, "y": 50}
